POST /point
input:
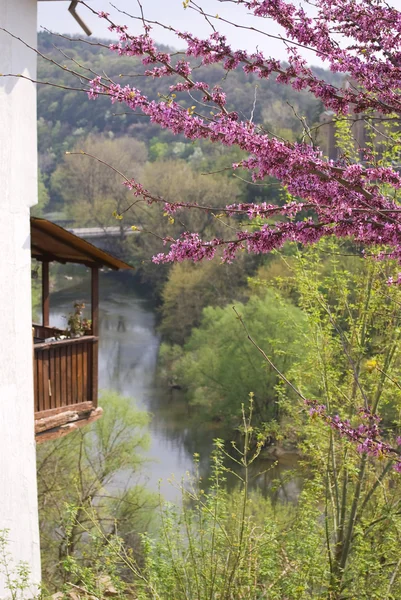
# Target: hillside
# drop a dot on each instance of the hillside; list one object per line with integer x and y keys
{"x": 66, "y": 115}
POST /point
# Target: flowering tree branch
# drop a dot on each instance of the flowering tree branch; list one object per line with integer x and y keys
{"x": 345, "y": 199}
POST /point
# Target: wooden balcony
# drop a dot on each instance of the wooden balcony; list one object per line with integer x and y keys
{"x": 65, "y": 383}
{"x": 65, "y": 371}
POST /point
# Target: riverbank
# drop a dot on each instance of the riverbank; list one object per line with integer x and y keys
{"x": 128, "y": 361}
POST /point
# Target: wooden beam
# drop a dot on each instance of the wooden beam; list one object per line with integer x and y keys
{"x": 95, "y": 332}
{"x": 68, "y": 416}
{"x": 61, "y": 430}
{"x": 38, "y": 254}
{"x": 66, "y": 342}
{"x": 79, "y": 408}
{"x": 92, "y": 259}
{"x": 68, "y": 260}
{"x": 45, "y": 294}
{"x": 95, "y": 301}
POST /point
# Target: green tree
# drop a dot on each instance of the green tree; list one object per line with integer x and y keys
{"x": 178, "y": 182}
{"x": 91, "y": 192}
{"x": 78, "y": 486}
{"x": 192, "y": 287}
{"x": 219, "y": 367}
{"x": 43, "y": 197}
{"x": 352, "y": 363}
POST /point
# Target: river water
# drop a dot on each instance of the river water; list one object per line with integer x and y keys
{"x": 128, "y": 353}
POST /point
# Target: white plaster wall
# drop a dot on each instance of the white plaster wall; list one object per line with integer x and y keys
{"x": 18, "y": 191}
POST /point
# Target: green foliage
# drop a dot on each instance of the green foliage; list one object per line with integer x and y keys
{"x": 36, "y": 291}
{"x": 77, "y": 325}
{"x": 220, "y": 367}
{"x": 345, "y": 138}
{"x": 99, "y": 576}
{"x": 352, "y": 361}
{"x": 192, "y": 287}
{"x": 356, "y": 328}
{"x": 92, "y": 191}
{"x": 16, "y": 576}
{"x": 349, "y": 359}
{"x": 79, "y": 472}
{"x": 215, "y": 546}
{"x": 237, "y": 545}
{"x": 158, "y": 150}
{"x": 43, "y": 198}
{"x": 220, "y": 545}
{"x": 176, "y": 181}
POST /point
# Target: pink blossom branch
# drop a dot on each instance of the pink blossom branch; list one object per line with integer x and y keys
{"x": 347, "y": 201}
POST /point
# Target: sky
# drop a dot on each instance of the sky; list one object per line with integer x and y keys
{"x": 54, "y": 15}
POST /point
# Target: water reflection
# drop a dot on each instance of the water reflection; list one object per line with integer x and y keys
{"x": 128, "y": 353}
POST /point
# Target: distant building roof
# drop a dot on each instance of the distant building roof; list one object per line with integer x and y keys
{"x": 53, "y": 243}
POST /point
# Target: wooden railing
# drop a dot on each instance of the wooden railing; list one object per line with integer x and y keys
{"x": 42, "y": 332}
{"x": 65, "y": 374}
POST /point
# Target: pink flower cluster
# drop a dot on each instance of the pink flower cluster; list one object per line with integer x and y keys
{"x": 372, "y": 55}
{"x": 345, "y": 200}
{"x": 366, "y": 435}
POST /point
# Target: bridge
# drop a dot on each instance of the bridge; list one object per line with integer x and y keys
{"x": 88, "y": 233}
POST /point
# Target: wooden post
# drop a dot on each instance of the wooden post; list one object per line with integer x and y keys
{"x": 45, "y": 294}
{"x": 95, "y": 332}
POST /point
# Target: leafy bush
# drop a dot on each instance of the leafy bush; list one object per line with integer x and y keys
{"x": 78, "y": 486}
{"x": 238, "y": 546}
{"x": 220, "y": 367}
{"x": 192, "y": 287}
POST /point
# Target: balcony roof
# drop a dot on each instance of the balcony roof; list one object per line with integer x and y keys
{"x": 50, "y": 242}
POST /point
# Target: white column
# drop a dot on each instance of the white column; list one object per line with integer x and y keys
{"x": 18, "y": 191}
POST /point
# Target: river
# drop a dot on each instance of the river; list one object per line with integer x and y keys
{"x": 128, "y": 353}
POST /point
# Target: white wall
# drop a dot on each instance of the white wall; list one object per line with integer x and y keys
{"x": 18, "y": 191}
